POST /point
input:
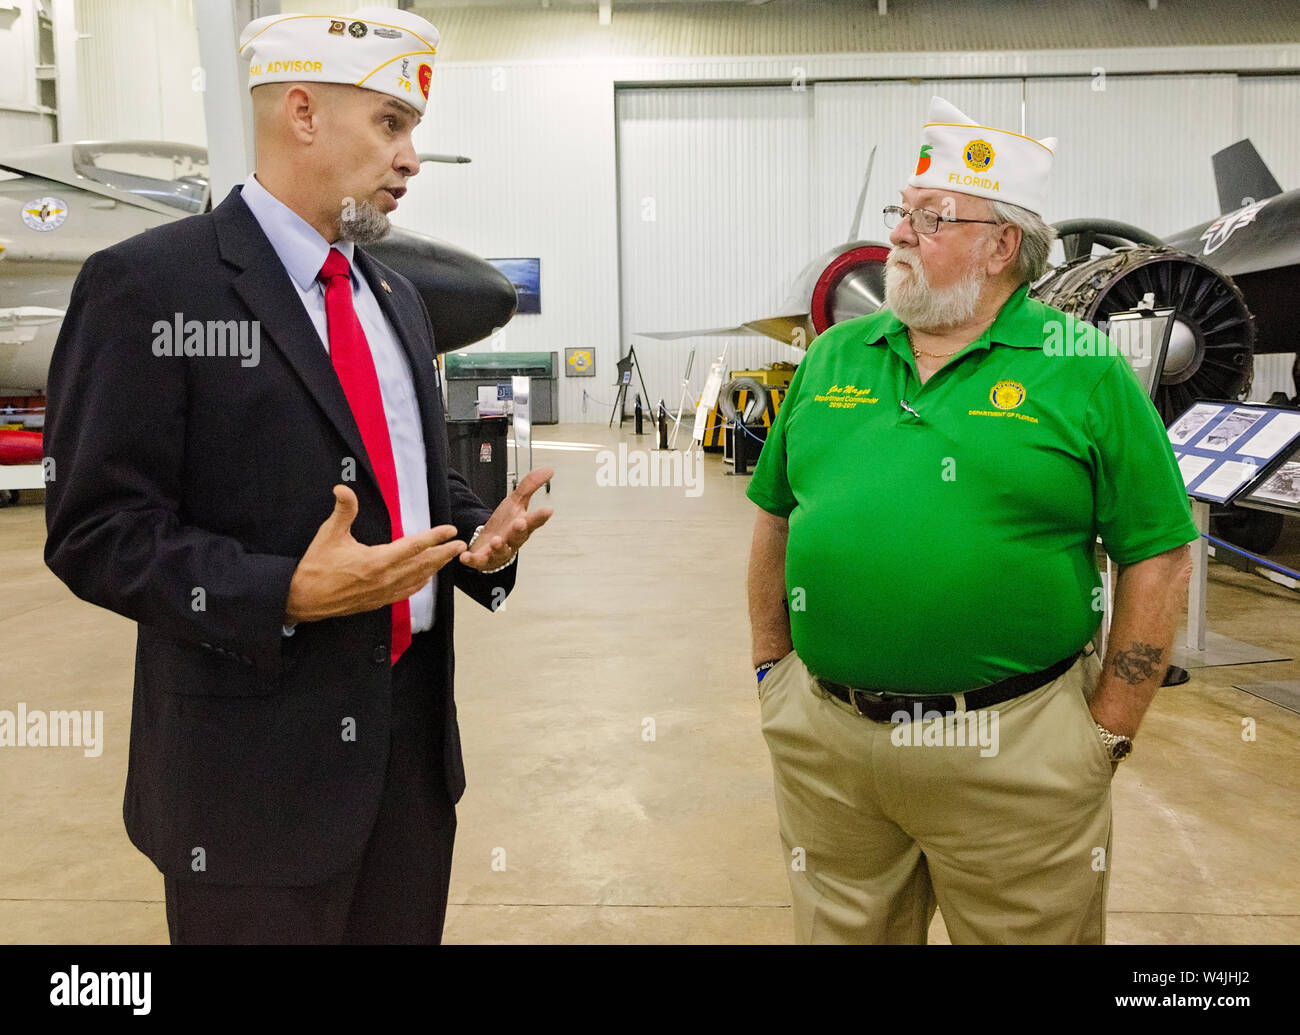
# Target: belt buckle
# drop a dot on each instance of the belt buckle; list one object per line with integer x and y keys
{"x": 874, "y": 696}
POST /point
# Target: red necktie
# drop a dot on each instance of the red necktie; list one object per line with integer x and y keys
{"x": 355, "y": 367}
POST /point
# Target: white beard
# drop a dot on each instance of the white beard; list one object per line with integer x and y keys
{"x": 909, "y": 295}
{"x": 363, "y": 224}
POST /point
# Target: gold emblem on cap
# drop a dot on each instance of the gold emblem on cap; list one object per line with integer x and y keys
{"x": 978, "y": 155}
{"x": 384, "y": 284}
{"x": 337, "y": 28}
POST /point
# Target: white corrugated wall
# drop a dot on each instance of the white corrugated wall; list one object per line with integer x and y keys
{"x": 541, "y": 184}
{"x": 137, "y": 76}
{"x": 1137, "y": 150}
{"x": 1270, "y": 116}
{"x": 24, "y": 129}
{"x": 714, "y": 195}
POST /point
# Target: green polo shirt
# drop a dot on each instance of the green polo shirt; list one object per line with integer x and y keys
{"x": 948, "y": 543}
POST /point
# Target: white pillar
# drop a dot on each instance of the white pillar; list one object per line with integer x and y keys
{"x": 227, "y": 107}
{"x": 72, "y": 125}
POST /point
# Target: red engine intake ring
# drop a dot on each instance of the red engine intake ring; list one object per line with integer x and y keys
{"x": 824, "y": 292}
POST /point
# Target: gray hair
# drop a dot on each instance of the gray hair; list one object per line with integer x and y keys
{"x": 1036, "y": 238}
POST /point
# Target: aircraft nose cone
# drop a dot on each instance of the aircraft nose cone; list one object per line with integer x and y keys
{"x": 467, "y": 297}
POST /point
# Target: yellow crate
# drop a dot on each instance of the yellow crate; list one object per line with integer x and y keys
{"x": 773, "y": 378}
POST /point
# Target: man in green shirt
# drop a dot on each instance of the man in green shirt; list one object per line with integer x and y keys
{"x": 923, "y": 587}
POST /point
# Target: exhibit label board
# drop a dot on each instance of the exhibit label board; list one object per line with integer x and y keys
{"x": 1224, "y": 447}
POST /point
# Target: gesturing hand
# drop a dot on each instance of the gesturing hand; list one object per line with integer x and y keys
{"x": 510, "y": 525}
{"x": 339, "y": 576}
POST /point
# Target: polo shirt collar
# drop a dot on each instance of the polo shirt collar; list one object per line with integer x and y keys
{"x": 1014, "y": 326}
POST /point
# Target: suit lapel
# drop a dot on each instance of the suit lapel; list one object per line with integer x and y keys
{"x": 266, "y": 289}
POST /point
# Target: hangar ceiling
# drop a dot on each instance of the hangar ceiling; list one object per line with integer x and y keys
{"x": 507, "y": 29}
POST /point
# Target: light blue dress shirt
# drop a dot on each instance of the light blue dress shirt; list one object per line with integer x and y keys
{"x": 302, "y": 250}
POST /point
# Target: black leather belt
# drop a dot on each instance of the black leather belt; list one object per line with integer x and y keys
{"x": 882, "y": 706}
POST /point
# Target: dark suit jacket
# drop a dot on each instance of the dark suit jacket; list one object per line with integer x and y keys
{"x": 184, "y": 491}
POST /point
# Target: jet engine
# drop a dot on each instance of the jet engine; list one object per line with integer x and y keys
{"x": 1211, "y": 345}
{"x": 852, "y": 284}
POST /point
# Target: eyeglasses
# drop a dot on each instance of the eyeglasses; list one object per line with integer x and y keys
{"x": 923, "y": 220}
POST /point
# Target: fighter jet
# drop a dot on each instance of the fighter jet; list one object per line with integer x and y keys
{"x": 61, "y": 202}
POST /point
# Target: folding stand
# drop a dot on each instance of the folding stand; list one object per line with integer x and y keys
{"x": 625, "y": 366}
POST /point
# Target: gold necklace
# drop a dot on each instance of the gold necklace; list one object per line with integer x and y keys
{"x": 935, "y": 355}
{"x": 931, "y": 355}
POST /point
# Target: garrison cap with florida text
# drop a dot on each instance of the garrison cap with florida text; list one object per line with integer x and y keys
{"x": 378, "y": 48}
{"x": 960, "y": 155}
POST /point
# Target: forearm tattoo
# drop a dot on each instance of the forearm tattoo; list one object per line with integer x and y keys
{"x": 1137, "y": 664}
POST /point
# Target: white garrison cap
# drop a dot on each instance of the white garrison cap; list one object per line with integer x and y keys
{"x": 958, "y": 154}
{"x": 378, "y": 48}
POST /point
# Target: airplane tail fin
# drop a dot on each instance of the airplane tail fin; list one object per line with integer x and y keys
{"x": 862, "y": 199}
{"x": 1241, "y": 176}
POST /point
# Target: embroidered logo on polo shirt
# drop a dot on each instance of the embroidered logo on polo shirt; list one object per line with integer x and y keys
{"x": 1007, "y": 395}
{"x": 846, "y": 397}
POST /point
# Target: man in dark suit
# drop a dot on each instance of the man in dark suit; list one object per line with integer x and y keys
{"x": 279, "y": 518}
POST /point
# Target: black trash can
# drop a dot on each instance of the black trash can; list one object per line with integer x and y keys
{"x": 478, "y": 453}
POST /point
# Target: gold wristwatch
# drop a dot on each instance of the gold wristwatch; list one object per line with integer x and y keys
{"x": 1118, "y": 747}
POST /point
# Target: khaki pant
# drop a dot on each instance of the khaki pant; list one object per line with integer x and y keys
{"x": 1000, "y": 816}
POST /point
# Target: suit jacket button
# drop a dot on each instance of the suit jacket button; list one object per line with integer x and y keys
{"x": 379, "y": 655}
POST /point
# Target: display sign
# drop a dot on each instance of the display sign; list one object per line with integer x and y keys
{"x": 1142, "y": 337}
{"x": 708, "y": 400}
{"x": 1278, "y": 490}
{"x": 579, "y": 363}
{"x": 1222, "y": 447}
{"x": 525, "y": 277}
{"x": 491, "y": 402}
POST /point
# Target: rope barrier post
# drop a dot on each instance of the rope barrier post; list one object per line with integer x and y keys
{"x": 1196, "y": 589}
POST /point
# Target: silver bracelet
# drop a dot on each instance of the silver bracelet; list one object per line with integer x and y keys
{"x": 491, "y": 571}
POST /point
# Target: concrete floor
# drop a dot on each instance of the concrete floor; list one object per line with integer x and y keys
{"x": 631, "y": 609}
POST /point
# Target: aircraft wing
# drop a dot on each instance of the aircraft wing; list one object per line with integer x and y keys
{"x": 782, "y": 328}
{"x": 27, "y": 334}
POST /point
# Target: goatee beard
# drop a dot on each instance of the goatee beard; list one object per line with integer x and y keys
{"x": 909, "y": 296}
{"x": 363, "y": 223}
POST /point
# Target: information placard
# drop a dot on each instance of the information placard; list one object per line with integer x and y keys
{"x": 1142, "y": 336}
{"x": 1279, "y": 489}
{"x": 1223, "y": 447}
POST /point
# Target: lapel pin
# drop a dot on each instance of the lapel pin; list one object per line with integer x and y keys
{"x": 385, "y": 286}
